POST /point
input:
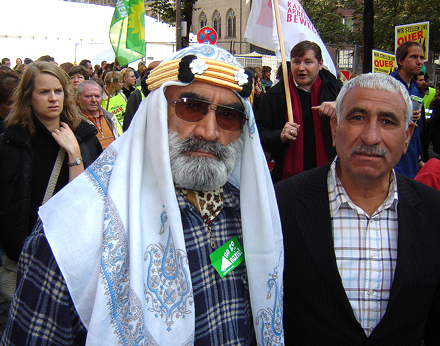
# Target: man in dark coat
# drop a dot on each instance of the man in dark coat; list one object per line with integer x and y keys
{"x": 362, "y": 265}
{"x": 304, "y": 143}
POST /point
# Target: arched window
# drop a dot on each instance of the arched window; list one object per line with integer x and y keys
{"x": 217, "y": 21}
{"x": 203, "y": 21}
{"x": 231, "y": 20}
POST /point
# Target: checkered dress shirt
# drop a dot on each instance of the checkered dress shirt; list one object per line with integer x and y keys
{"x": 365, "y": 248}
{"x": 223, "y": 310}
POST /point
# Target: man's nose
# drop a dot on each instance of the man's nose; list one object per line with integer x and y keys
{"x": 208, "y": 128}
{"x": 371, "y": 133}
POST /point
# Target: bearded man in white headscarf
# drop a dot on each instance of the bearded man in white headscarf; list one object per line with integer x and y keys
{"x": 172, "y": 236}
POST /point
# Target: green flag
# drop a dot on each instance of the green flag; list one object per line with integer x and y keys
{"x": 127, "y": 31}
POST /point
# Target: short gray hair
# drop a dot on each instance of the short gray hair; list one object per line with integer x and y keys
{"x": 80, "y": 88}
{"x": 377, "y": 81}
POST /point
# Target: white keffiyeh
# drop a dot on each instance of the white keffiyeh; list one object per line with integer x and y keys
{"x": 117, "y": 236}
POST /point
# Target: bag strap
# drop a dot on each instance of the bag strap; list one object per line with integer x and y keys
{"x": 54, "y": 175}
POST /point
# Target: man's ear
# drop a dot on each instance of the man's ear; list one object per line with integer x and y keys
{"x": 408, "y": 134}
{"x": 334, "y": 127}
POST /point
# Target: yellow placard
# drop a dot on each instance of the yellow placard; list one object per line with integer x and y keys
{"x": 416, "y": 32}
{"x": 383, "y": 62}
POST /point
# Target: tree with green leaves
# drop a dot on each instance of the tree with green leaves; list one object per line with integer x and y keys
{"x": 167, "y": 12}
{"x": 328, "y": 19}
{"x": 390, "y": 13}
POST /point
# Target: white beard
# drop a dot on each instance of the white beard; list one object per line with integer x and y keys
{"x": 202, "y": 173}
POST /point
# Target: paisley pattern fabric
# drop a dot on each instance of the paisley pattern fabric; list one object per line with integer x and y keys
{"x": 270, "y": 321}
{"x": 167, "y": 287}
{"x": 125, "y": 308}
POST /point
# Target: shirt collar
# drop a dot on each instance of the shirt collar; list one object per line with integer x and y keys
{"x": 338, "y": 196}
{"x": 231, "y": 197}
{"x": 101, "y": 112}
{"x": 208, "y": 203}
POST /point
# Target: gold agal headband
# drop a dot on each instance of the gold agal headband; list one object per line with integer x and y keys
{"x": 191, "y": 68}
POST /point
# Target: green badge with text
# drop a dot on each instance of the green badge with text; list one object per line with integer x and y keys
{"x": 227, "y": 257}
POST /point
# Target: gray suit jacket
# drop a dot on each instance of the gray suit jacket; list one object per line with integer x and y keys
{"x": 316, "y": 308}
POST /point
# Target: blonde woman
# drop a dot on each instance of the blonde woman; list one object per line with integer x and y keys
{"x": 42, "y": 120}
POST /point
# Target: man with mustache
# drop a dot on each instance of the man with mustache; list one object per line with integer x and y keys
{"x": 361, "y": 241}
{"x": 173, "y": 235}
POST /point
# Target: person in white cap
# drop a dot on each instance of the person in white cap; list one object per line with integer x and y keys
{"x": 172, "y": 236}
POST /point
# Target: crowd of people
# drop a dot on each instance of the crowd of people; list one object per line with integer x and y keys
{"x": 54, "y": 125}
{"x": 216, "y": 219}
{"x": 116, "y": 84}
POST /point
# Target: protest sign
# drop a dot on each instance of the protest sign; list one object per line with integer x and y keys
{"x": 416, "y": 32}
{"x": 383, "y": 62}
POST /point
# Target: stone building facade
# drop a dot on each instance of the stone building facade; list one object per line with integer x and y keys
{"x": 228, "y": 18}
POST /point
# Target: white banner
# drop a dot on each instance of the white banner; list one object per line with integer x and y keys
{"x": 261, "y": 29}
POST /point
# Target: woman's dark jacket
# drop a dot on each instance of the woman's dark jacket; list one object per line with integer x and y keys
{"x": 20, "y": 172}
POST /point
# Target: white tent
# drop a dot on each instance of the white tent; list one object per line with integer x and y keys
{"x": 70, "y": 32}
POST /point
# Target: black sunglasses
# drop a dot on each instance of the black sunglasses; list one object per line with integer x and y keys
{"x": 193, "y": 110}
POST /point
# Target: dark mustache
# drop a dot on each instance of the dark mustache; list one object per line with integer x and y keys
{"x": 369, "y": 149}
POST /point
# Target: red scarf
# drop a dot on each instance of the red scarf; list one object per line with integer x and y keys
{"x": 294, "y": 155}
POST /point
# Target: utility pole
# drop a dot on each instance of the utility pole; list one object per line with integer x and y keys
{"x": 178, "y": 25}
{"x": 368, "y": 37}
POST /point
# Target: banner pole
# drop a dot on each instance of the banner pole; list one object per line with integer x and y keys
{"x": 111, "y": 81}
{"x": 283, "y": 61}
